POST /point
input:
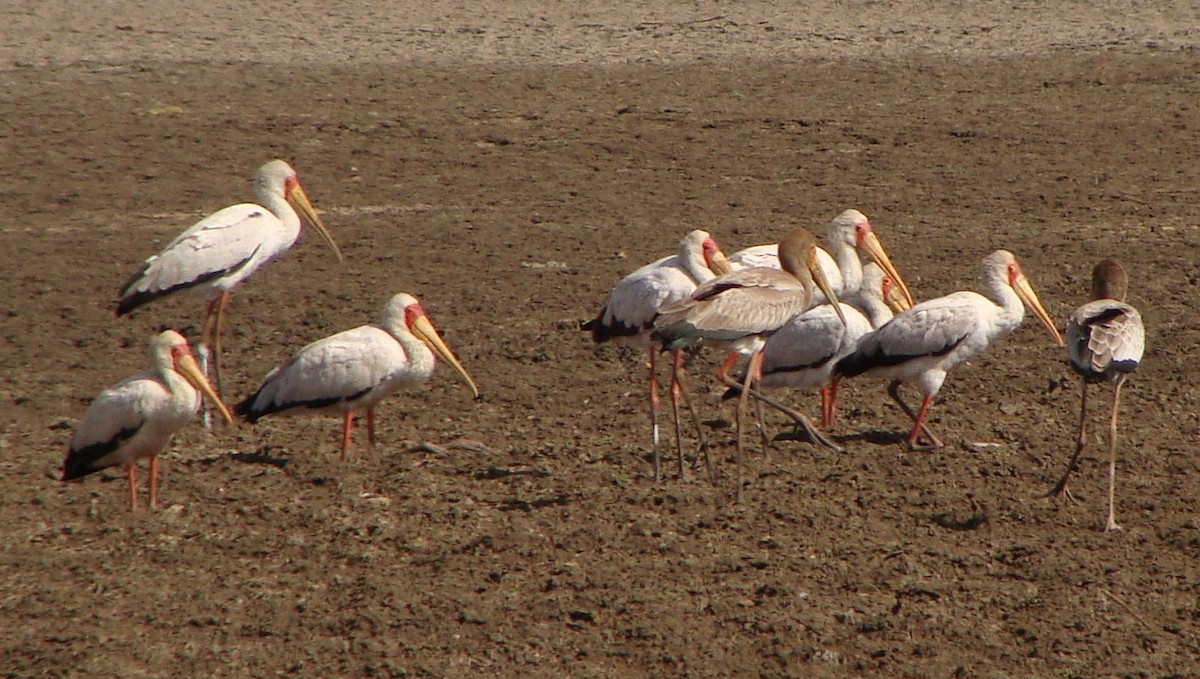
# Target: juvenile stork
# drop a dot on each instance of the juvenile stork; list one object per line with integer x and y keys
{"x": 742, "y": 307}
{"x": 923, "y": 344}
{"x": 1105, "y": 341}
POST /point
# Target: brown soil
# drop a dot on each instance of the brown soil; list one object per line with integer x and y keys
{"x": 508, "y": 169}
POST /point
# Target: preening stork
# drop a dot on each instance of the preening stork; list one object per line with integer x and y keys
{"x": 1105, "y": 341}
{"x": 223, "y": 249}
{"x": 802, "y": 354}
{"x": 630, "y": 309}
{"x": 738, "y": 308}
{"x": 851, "y": 240}
{"x": 137, "y": 417}
{"x": 924, "y": 343}
{"x": 356, "y": 369}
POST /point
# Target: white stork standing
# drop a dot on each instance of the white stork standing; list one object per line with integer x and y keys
{"x": 1105, "y": 341}
{"x": 630, "y": 309}
{"x": 739, "y": 307}
{"x": 802, "y": 353}
{"x": 851, "y": 240}
{"x": 224, "y": 249}
{"x": 924, "y": 343}
{"x": 137, "y": 417}
{"x": 355, "y": 369}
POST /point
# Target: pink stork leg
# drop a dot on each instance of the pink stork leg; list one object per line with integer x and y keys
{"x": 131, "y": 472}
{"x": 918, "y": 419}
{"x": 347, "y": 425}
{"x": 210, "y": 335}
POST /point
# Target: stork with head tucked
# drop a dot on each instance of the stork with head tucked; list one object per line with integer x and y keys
{"x": 742, "y": 307}
{"x": 923, "y": 344}
{"x": 630, "y": 309}
{"x": 223, "y": 249}
{"x": 137, "y": 417}
{"x": 356, "y": 369}
{"x": 1105, "y": 342}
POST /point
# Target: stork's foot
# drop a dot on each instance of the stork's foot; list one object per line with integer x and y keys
{"x": 804, "y": 428}
{"x": 1110, "y": 526}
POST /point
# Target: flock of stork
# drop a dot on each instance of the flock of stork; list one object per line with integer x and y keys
{"x": 805, "y": 316}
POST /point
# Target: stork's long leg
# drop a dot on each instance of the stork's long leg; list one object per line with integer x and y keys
{"x": 210, "y": 334}
{"x": 1061, "y": 489}
{"x": 154, "y": 482}
{"x": 829, "y": 403}
{"x": 676, "y": 394}
{"x": 762, "y": 429}
{"x": 1111, "y": 523}
{"x": 685, "y": 396}
{"x": 131, "y": 472}
{"x": 222, "y": 300}
{"x": 654, "y": 403}
{"x": 917, "y": 418}
{"x": 347, "y": 425}
{"x": 918, "y": 425}
{"x": 800, "y": 420}
{"x": 755, "y": 363}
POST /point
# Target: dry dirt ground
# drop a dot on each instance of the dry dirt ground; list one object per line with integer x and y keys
{"x": 509, "y": 163}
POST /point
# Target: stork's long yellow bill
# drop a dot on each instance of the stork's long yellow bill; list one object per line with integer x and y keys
{"x": 299, "y": 200}
{"x": 1025, "y": 291}
{"x": 878, "y": 255}
{"x": 424, "y": 329}
{"x": 186, "y": 366}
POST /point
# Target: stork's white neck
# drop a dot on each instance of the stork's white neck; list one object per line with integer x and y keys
{"x": 1010, "y": 310}
{"x": 848, "y": 263}
{"x": 271, "y": 197}
{"x": 420, "y": 358}
{"x": 871, "y": 305}
{"x": 691, "y": 258}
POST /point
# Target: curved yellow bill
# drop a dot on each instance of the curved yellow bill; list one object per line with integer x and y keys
{"x": 893, "y": 296}
{"x": 299, "y": 200}
{"x": 1025, "y": 291}
{"x": 719, "y": 263}
{"x": 425, "y": 331}
{"x": 874, "y": 249}
{"x": 823, "y": 284}
{"x": 186, "y": 366}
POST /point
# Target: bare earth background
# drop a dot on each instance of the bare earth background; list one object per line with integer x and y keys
{"x": 508, "y": 162}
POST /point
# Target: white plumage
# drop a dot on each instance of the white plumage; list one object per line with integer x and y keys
{"x": 223, "y": 249}
{"x": 355, "y": 369}
{"x": 802, "y": 354}
{"x": 633, "y": 304}
{"x": 1105, "y": 342}
{"x": 739, "y": 307}
{"x": 137, "y": 417}
{"x": 924, "y": 343}
{"x": 850, "y": 240}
